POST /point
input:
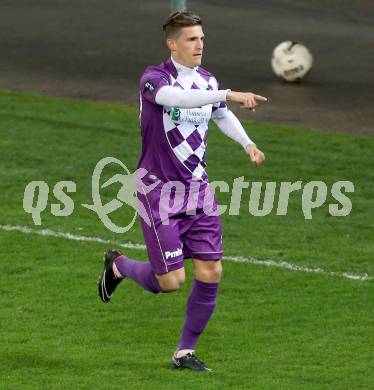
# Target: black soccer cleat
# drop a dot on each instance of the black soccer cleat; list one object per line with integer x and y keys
{"x": 191, "y": 362}
{"x": 107, "y": 282}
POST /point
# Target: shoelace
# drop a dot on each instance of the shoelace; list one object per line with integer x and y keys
{"x": 193, "y": 356}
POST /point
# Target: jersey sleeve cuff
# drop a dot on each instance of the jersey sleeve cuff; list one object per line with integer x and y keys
{"x": 226, "y": 91}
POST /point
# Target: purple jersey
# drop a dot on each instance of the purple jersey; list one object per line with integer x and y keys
{"x": 174, "y": 139}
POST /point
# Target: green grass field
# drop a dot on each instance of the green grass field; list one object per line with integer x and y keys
{"x": 273, "y": 328}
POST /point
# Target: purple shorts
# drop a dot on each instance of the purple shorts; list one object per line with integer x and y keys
{"x": 196, "y": 236}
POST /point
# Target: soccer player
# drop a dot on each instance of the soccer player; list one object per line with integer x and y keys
{"x": 177, "y": 100}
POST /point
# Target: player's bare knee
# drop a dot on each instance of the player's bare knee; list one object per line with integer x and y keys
{"x": 218, "y": 268}
{"x": 172, "y": 281}
{"x": 211, "y": 273}
{"x": 171, "y": 285}
{"x": 215, "y": 274}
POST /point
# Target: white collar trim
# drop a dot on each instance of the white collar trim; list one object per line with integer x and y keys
{"x": 182, "y": 68}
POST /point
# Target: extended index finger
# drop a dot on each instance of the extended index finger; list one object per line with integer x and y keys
{"x": 262, "y": 98}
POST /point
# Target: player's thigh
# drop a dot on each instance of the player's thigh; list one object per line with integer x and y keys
{"x": 202, "y": 237}
{"x": 163, "y": 241}
{"x": 208, "y": 271}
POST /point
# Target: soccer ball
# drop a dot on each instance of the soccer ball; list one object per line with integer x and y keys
{"x": 291, "y": 60}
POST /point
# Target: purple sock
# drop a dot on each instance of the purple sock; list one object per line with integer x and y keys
{"x": 139, "y": 271}
{"x": 200, "y": 307}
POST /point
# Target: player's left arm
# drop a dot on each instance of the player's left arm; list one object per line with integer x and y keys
{"x": 230, "y": 125}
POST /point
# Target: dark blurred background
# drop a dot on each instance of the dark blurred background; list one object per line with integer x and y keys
{"x": 98, "y": 49}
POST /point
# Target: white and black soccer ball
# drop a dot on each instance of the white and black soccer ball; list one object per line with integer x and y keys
{"x": 291, "y": 60}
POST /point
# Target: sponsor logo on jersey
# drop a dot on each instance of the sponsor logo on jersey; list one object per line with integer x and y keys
{"x": 149, "y": 86}
{"x": 175, "y": 114}
{"x": 196, "y": 116}
{"x": 172, "y": 254}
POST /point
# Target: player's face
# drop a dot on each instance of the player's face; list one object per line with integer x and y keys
{"x": 187, "y": 47}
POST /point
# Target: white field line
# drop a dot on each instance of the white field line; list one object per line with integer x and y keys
{"x": 236, "y": 259}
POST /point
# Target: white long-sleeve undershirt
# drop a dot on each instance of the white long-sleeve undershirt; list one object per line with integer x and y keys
{"x": 189, "y": 98}
{"x": 231, "y": 126}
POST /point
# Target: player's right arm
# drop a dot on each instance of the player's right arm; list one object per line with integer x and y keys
{"x": 190, "y": 98}
{"x": 155, "y": 87}
{"x": 245, "y": 99}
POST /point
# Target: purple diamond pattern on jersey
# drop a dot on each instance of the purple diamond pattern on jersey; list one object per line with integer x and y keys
{"x": 174, "y": 138}
{"x": 189, "y": 148}
{"x": 187, "y": 132}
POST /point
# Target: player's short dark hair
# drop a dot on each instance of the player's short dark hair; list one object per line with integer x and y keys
{"x": 178, "y": 20}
